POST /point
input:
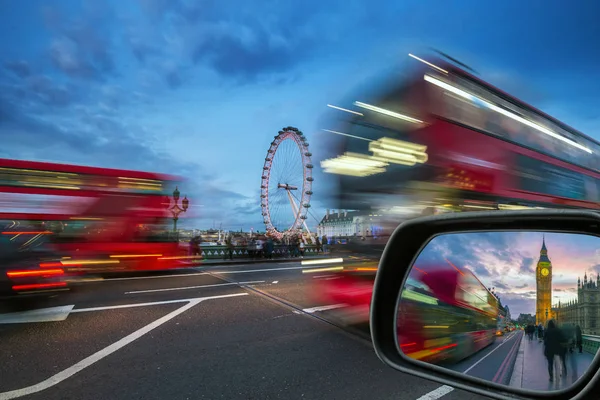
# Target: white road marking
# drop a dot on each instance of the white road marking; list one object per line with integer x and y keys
{"x": 152, "y": 277}
{"x": 254, "y": 270}
{"x": 443, "y": 390}
{"x": 437, "y": 393}
{"x": 67, "y": 373}
{"x": 323, "y": 308}
{"x": 51, "y": 314}
{"x": 192, "y": 287}
{"x": 154, "y": 303}
{"x": 488, "y": 354}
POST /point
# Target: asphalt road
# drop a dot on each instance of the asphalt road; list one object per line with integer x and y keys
{"x": 232, "y": 332}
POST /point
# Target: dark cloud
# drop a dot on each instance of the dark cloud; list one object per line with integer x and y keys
{"x": 49, "y": 93}
{"x": 250, "y": 208}
{"x": 80, "y": 47}
{"x": 249, "y": 60}
{"x": 19, "y": 68}
{"x": 527, "y": 265}
{"x": 173, "y": 79}
{"x": 518, "y": 304}
{"x": 500, "y": 285}
{"x": 523, "y": 286}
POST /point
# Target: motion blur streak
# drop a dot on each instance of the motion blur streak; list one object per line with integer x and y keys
{"x": 502, "y": 111}
{"x": 428, "y": 63}
{"x": 344, "y": 109}
{"x": 116, "y": 221}
{"x": 309, "y": 271}
{"x": 388, "y": 112}
{"x": 323, "y": 261}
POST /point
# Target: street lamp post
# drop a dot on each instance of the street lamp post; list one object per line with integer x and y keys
{"x": 175, "y": 209}
{"x": 546, "y": 315}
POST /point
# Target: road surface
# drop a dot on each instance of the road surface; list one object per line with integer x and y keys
{"x": 232, "y": 332}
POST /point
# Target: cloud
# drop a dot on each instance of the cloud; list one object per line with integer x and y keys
{"x": 523, "y": 286}
{"x": 80, "y": 47}
{"x": 252, "y": 57}
{"x": 500, "y": 285}
{"x": 20, "y": 68}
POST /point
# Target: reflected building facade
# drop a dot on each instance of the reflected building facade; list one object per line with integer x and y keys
{"x": 583, "y": 311}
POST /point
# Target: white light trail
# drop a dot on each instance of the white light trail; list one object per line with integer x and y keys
{"x": 428, "y": 63}
{"x": 346, "y": 110}
{"x": 388, "y": 112}
{"x": 502, "y": 111}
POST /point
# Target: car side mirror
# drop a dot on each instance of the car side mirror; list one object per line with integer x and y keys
{"x": 504, "y": 303}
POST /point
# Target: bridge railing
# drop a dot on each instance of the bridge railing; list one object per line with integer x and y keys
{"x": 591, "y": 343}
{"x": 280, "y": 251}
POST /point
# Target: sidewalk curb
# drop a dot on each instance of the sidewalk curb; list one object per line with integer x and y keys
{"x": 516, "y": 379}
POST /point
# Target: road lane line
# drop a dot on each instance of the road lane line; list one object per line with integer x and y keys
{"x": 86, "y": 362}
{"x": 151, "y": 277}
{"x": 254, "y": 270}
{"x": 488, "y": 354}
{"x": 504, "y": 366}
{"x": 437, "y": 393}
{"x": 192, "y": 287}
{"x": 155, "y": 303}
{"x": 443, "y": 390}
{"x": 323, "y": 308}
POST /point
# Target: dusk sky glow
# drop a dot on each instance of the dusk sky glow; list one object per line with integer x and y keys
{"x": 507, "y": 261}
{"x": 199, "y": 89}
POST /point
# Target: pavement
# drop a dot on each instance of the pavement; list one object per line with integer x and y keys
{"x": 495, "y": 362}
{"x": 243, "y": 331}
{"x": 531, "y": 371}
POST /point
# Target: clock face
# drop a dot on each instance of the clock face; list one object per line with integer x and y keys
{"x": 545, "y": 271}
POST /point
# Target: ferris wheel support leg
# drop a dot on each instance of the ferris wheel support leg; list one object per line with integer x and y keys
{"x": 295, "y": 209}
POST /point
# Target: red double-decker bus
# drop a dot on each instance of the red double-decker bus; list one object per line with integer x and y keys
{"x": 60, "y": 223}
{"x": 449, "y": 140}
{"x": 442, "y": 140}
{"x": 445, "y": 315}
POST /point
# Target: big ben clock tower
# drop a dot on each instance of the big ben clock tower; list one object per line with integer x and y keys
{"x": 543, "y": 277}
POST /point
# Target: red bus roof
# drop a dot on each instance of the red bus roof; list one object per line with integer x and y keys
{"x": 499, "y": 92}
{"x": 79, "y": 169}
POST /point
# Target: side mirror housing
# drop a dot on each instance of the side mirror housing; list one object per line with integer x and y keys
{"x": 404, "y": 248}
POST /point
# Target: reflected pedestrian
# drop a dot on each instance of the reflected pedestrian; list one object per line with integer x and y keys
{"x": 554, "y": 345}
{"x": 579, "y": 338}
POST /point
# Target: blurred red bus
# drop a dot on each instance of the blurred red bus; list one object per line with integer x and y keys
{"x": 445, "y": 315}
{"x": 78, "y": 221}
{"x": 443, "y": 140}
{"x": 452, "y": 140}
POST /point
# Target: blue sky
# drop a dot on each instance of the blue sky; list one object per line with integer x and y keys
{"x": 200, "y": 88}
{"x": 506, "y": 261}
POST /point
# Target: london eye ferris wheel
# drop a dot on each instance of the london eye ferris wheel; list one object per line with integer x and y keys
{"x": 286, "y": 184}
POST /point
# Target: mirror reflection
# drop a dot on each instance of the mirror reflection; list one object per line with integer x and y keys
{"x": 520, "y": 309}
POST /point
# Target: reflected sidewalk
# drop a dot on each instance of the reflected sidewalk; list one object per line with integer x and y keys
{"x": 531, "y": 367}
